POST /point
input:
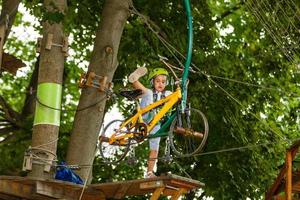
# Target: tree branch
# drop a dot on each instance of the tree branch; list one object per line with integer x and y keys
{"x": 230, "y": 11}
{"x": 30, "y": 100}
{"x": 7, "y": 130}
{"x": 9, "y": 114}
{"x": 10, "y": 8}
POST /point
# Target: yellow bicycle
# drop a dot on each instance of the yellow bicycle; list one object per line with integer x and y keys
{"x": 187, "y": 129}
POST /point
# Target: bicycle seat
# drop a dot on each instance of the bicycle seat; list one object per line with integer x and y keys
{"x": 131, "y": 94}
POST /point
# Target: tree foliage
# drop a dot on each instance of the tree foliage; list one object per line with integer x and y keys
{"x": 244, "y": 84}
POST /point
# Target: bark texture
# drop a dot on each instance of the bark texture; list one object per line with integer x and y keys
{"x": 87, "y": 123}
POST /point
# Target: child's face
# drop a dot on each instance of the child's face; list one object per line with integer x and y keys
{"x": 160, "y": 82}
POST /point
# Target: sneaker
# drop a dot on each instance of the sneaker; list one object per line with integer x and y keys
{"x": 139, "y": 72}
{"x": 150, "y": 175}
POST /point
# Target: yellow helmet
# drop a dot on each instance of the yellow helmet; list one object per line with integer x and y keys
{"x": 158, "y": 71}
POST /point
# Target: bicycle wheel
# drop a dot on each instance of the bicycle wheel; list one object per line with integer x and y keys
{"x": 188, "y": 132}
{"x": 112, "y": 153}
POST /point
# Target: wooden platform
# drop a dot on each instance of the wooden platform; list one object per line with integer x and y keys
{"x": 15, "y": 188}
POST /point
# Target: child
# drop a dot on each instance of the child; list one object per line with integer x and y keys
{"x": 158, "y": 80}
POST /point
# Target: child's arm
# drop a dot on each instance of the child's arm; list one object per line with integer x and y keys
{"x": 139, "y": 85}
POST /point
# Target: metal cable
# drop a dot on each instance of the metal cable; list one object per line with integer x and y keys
{"x": 263, "y": 19}
{"x": 67, "y": 110}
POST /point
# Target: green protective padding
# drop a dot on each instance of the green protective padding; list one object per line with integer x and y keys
{"x": 48, "y": 104}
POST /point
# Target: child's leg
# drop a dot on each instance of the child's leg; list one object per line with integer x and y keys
{"x": 153, "y": 154}
{"x": 151, "y": 162}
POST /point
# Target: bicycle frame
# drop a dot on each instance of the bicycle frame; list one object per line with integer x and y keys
{"x": 168, "y": 102}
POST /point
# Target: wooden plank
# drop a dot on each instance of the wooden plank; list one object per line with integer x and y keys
{"x": 122, "y": 190}
{"x": 157, "y": 193}
{"x": 151, "y": 185}
{"x": 8, "y": 197}
{"x": 16, "y": 189}
{"x": 54, "y": 189}
{"x": 288, "y": 182}
{"x": 48, "y": 190}
{"x": 181, "y": 184}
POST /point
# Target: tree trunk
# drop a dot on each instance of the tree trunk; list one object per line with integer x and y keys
{"x": 10, "y": 8}
{"x": 8, "y": 13}
{"x": 50, "y": 77}
{"x": 87, "y": 123}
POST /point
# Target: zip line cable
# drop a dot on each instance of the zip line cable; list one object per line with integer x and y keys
{"x": 282, "y": 26}
{"x": 257, "y": 9}
{"x": 265, "y": 7}
{"x": 240, "y": 104}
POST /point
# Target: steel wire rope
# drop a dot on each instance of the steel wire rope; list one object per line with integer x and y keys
{"x": 288, "y": 18}
{"x": 276, "y": 38}
{"x": 296, "y": 7}
{"x": 268, "y": 29}
{"x": 144, "y": 19}
{"x": 245, "y": 147}
{"x": 266, "y": 6}
{"x": 273, "y": 15}
{"x": 260, "y": 17}
{"x": 239, "y": 103}
{"x": 67, "y": 110}
{"x": 283, "y": 25}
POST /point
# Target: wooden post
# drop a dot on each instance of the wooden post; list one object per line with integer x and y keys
{"x": 156, "y": 194}
{"x": 177, "y": 194}
{"x": 288, "y": 181}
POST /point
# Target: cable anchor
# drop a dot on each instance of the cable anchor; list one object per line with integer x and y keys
{"x": 91, "y": 79}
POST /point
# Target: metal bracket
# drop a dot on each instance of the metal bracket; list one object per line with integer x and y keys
{"x": 91, "y": 79}
{"x": 27, "y": 162}
{"x": 31, "y": 157}
{"x": 49, "y": 43}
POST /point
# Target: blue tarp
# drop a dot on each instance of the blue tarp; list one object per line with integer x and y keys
{"x": 64, "y": 173}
